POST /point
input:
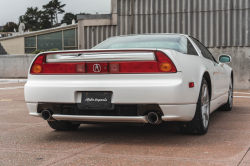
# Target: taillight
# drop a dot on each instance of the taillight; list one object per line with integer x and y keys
{"x": 162, "y": 64}
{"x": 165, "y": 64}
{"x": 36, "y": 67}
{"x": 41, "y": 67}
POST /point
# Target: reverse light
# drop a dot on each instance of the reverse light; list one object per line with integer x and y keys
{"x": 80, "y": 68}
{"x": 114, "y": 68}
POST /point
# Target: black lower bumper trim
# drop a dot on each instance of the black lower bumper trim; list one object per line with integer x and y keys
{"x": 117, "y": 110}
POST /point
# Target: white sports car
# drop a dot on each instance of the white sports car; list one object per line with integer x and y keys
{"x": 136, "y": 79}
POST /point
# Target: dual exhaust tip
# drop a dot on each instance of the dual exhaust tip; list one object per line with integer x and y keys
{"x": 47, "y": 115}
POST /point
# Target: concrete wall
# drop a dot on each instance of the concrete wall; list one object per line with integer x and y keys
{"x": 15, "y": 66}
{"x": 240, "y": 64}
{"x": 13, "y": 46}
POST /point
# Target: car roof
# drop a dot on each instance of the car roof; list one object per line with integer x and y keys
{"x": 151, "y": 34}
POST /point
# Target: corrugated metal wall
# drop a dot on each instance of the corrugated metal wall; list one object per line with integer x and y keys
{"x": 96, "y": 34}
{"x": 214, "y": 22}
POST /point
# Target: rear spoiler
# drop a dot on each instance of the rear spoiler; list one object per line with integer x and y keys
{"x": 101, "y": 56}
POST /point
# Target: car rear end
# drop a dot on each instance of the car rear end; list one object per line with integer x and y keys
{"x": 133, "y": 85}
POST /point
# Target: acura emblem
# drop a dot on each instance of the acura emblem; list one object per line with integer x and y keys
{"x": 96, "y": 68}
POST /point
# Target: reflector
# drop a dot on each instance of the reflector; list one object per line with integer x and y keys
{"x": 191, "y": 84}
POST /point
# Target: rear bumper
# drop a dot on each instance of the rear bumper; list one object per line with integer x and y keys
{"x": 170, "y": 113}
{"x": 169, "y": 91}
{"x": 161, "y": 89}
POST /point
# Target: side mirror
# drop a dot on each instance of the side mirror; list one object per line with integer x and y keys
{"x": 225, "y": 59}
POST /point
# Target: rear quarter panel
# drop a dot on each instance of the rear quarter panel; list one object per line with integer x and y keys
{"x": 191, "y": 67}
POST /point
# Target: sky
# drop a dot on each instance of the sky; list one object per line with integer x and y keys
{"x": 10, "y": 10}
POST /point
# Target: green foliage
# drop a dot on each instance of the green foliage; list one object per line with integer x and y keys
{"x": 35, "y": 19}
{"x": 68, "y": 17}
{"x": 54, "y": 49}
{"x": 39, "y": 51}
{"x": 10, "y": 26}
{"x": 53, "y": 8}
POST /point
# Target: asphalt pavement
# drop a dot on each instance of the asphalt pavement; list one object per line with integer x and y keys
{"x": 26, "y": 140}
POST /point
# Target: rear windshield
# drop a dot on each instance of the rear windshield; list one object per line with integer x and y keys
{"x": 174, "y": 42}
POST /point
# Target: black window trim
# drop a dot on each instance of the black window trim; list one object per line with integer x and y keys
{"x": 206, "y": 48}
{"x": 194, "y": 45}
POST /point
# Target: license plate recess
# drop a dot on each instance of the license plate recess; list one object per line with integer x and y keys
{"x": 96, "y": 100}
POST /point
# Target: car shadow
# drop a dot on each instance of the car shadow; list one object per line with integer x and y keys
{"x": 158, "y": 135}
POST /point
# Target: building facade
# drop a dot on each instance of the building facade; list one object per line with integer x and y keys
{"x": 222, "y": 25}
{"x": 61, "y": 38}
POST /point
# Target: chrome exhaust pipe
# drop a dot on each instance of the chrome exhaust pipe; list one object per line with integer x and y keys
{"x": 154, "y": 118}
{"x": 47, "y": 115}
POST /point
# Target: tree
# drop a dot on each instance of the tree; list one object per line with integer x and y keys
{"x": 49, "y": 9}
{"x": 9, "y": 27}
{"x": 59, "y": 9}
{"x": 30, "y": 18}
{"x": 44, "y": 20}
{"x": 53, "y": 8}
{"x": 68, "y": 17}
{"x": 35, "y": 19}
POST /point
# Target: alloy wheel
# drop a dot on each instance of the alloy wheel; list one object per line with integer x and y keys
{"x": 205, "y": 106}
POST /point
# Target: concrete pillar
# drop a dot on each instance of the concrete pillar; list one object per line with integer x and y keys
{"x": 81, "y": 36}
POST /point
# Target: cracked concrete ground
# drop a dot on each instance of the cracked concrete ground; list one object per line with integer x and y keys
{"x": 26, "y": 140}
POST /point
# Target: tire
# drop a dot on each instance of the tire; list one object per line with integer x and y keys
{"x": 63, "y": 125}
{"x": 200, "y": 123}
{"x": 229, "y": 105}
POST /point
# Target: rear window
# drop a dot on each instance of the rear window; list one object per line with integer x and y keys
{"x": 174, "y": 42}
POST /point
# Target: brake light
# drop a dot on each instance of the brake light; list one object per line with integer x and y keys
{"x": 166, "y": 65}
{"x": 41, "y": 67}
{"x": 162, "y": 64}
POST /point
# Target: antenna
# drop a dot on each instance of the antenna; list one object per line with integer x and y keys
{"x": 21, "y": 28}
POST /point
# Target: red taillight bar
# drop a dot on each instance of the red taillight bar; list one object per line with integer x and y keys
{"x": 162, "y": 64}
